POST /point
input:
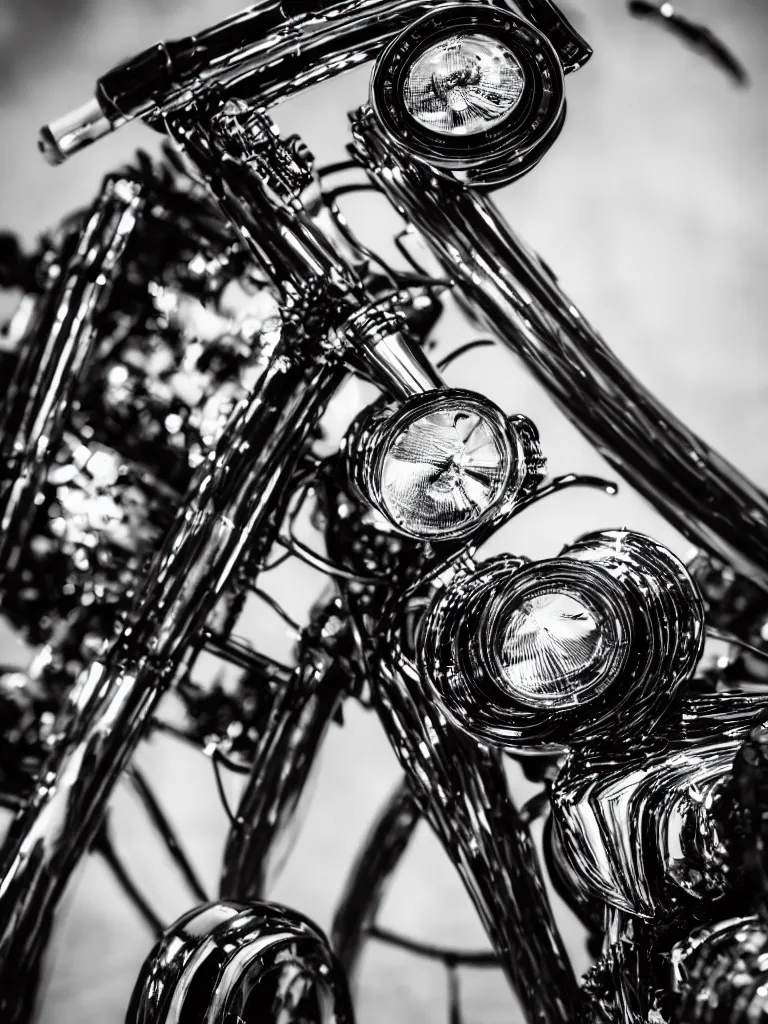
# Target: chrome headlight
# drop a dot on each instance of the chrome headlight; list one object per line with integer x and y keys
{"x": 471, "y": 89}
{"x": 442, "y": 463}
{"x": 463, "y": 85}
{"x": 555, "y": 634}
{"x": 567, "y": 650}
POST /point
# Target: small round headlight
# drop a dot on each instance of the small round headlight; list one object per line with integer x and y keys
{"x": 441, "y": 463}
{"x": 566, "y": 650}
{"x": 470, "y": 89}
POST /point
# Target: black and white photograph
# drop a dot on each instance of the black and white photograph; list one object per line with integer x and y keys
{"x": 383, "y": 512}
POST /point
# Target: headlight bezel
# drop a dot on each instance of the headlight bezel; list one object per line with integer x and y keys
{"x": 372, "y": 437}
{"x": 650, "y": 603}
{"x": 508, "y": 148}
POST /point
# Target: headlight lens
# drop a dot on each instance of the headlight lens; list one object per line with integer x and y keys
{"x": 552, "y": 635}
{"x": 463, "y": 85}
{"x": 549, "y": 646}
{"x": 471, "y": 90}
{"x": 445, "y": 469}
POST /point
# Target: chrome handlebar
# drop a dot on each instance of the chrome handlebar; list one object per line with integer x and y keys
{"x": 263, "y": 55}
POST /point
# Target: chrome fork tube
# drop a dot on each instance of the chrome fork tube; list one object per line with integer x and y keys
{"x": 55, "y": 352}
{"x": 236, "y": 155}
{"x": 270, "y": 192}
{"x": 233, "y": 506}
{"x": 509, "y": 288}
{"x": 460, "y": 788}
{"x": 288, "y": 747}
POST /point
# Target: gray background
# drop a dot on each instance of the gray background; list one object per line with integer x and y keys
{"x": 652, "y": 209}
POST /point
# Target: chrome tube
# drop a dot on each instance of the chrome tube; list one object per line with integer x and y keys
{"x": 516, "y": 297}
{"x": 269, "y": 190}
{"x": 59, "y": 341}
{"x": 264, "y": 54}
{"x": 264, "y": 185}
{"x": 572, "y": 50}
{"x": 287, "y": 750}
{"x": 233, "y": 508}
{"x": 461, "y": 790}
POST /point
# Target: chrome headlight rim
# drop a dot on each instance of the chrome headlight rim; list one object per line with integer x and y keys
{"x": 491, "y": 156}
{"x": 455, "y": 658}
{"x": 674, "y": 615}
{"x": 373, "y": 435}
{"x": 661, "y": 618}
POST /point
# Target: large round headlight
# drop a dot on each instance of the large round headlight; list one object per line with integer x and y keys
{"x": 441, "y": 463}
{"x": 566, "y": 650}
{"x": 471, "y": 89}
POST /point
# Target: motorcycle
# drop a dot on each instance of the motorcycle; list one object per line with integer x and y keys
{"x": 174, "y": 367}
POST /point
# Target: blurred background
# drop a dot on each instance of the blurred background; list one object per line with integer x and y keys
{"x": 652, "y": 208}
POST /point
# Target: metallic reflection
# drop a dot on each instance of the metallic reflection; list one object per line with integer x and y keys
{"x": 461, "y": 790}
{"x": 632, "y": 602}
{"x": 515, "y": 296}
{"x": 189, "y": 439}
{"x": 252, "y": 962}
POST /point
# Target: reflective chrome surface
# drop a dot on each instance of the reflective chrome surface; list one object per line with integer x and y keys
{"x": 516, "y": 297}
{"x": 463, "y": 85}
{"x": 164, "y": 432}
{"x": 473, "y": 91}
{"x": 59, "y": 342}
{"x": 230, "y": 502}
{"x": 460, "y": 788}
{"x": 592, "y": 644}
{"x": 719, "y": 969}
{"x": 253, "y": 963}
{"x": 263, "y": 54}
{"x": 442, "y": 463}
